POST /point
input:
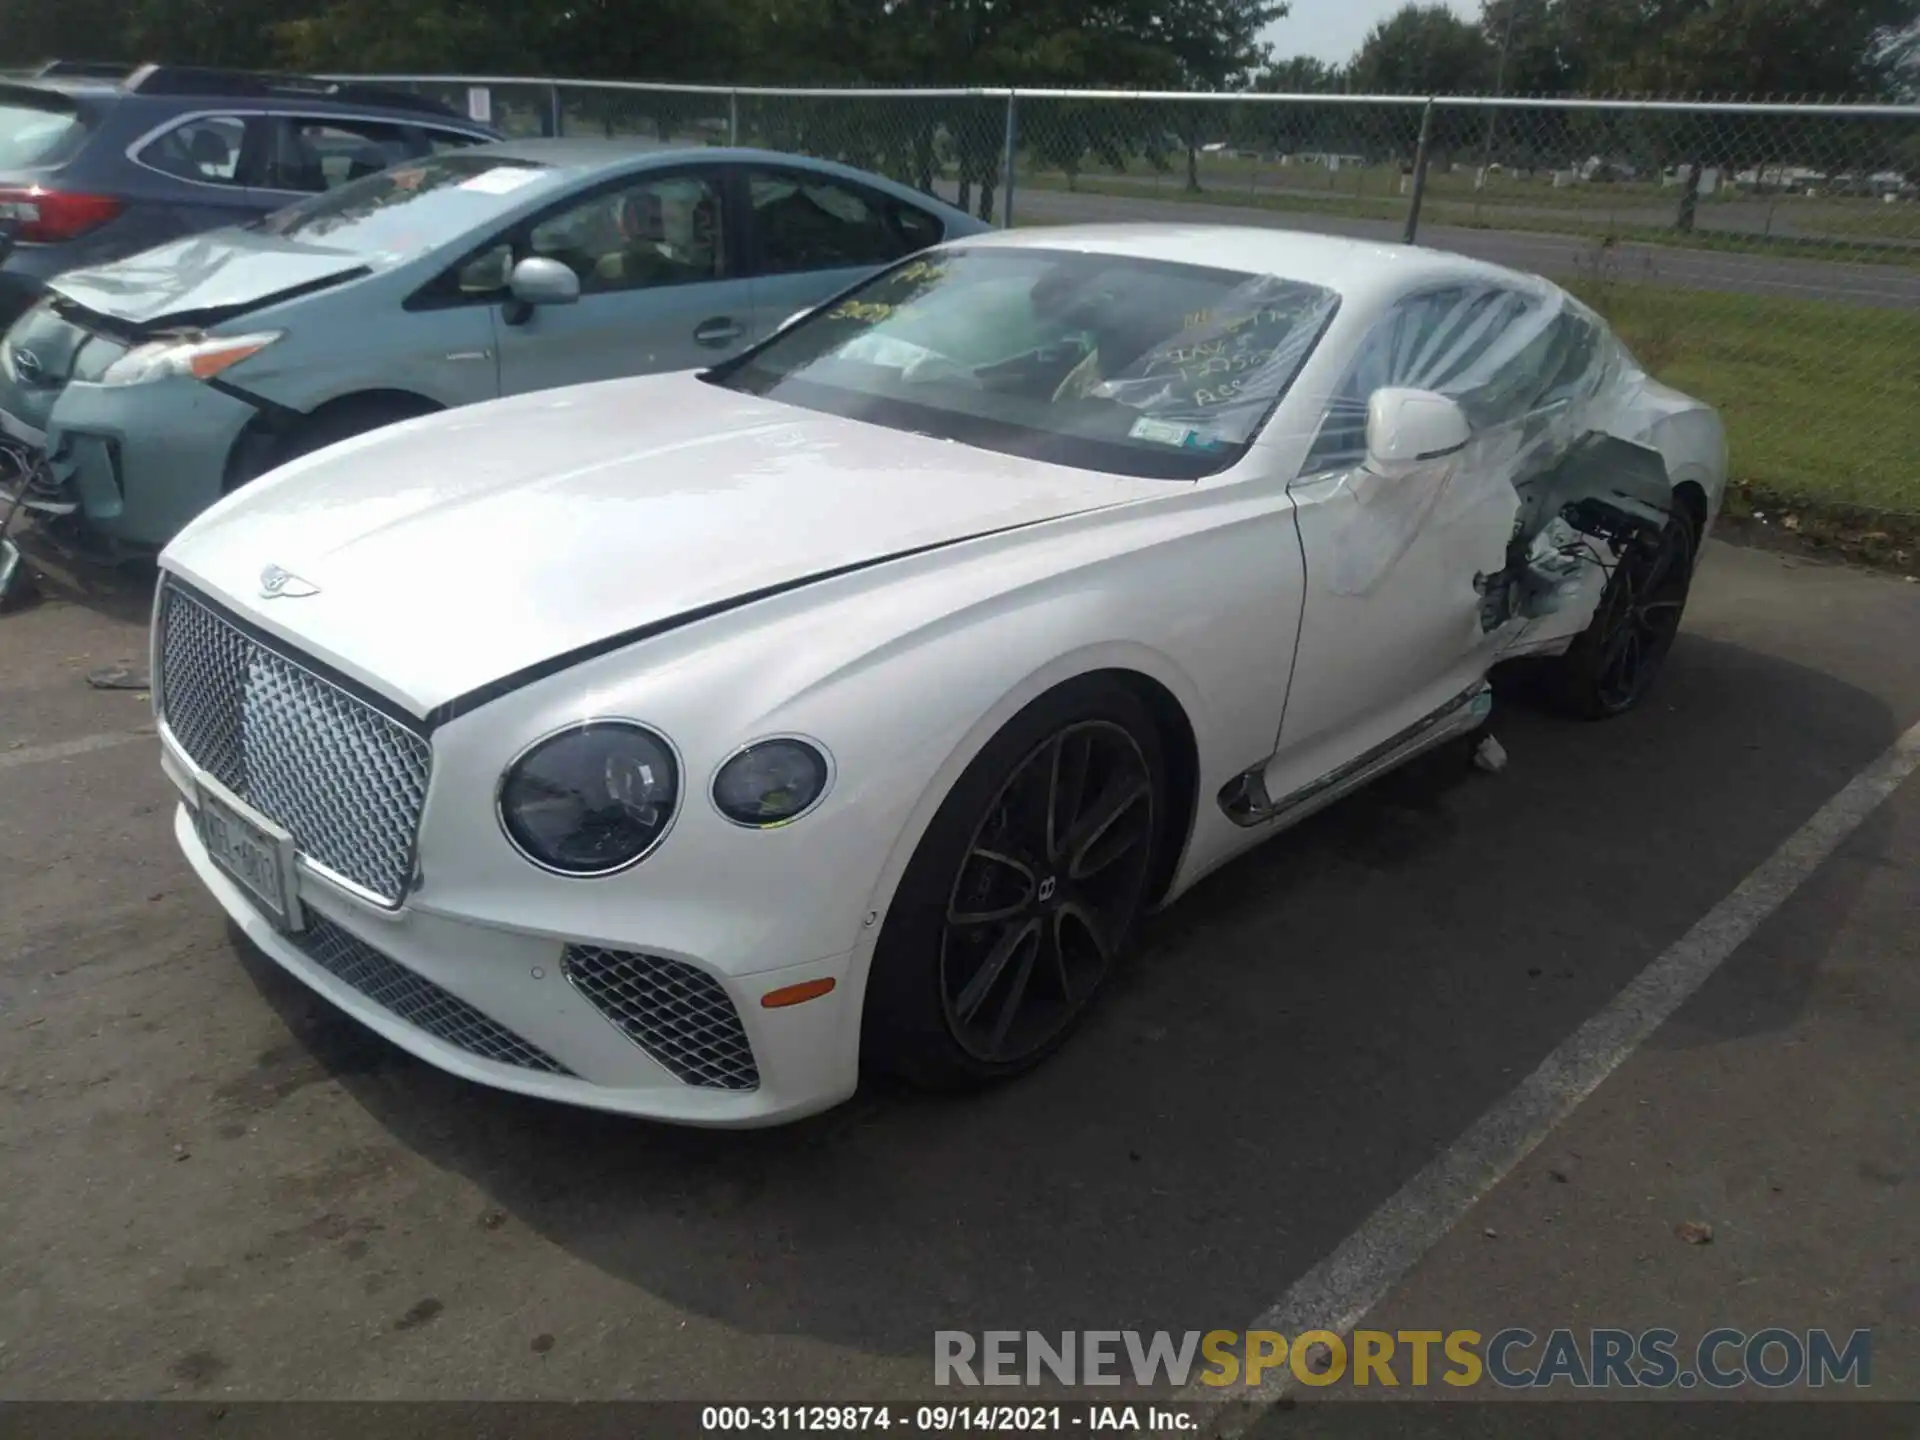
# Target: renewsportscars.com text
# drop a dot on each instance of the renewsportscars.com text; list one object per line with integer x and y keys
{"x": 1514, "y": 1359}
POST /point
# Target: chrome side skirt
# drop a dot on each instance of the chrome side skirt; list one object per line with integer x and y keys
{"x": 1245, "y": 799}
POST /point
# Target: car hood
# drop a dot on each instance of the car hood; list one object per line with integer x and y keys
{"x": 448, "y": 554}
{"x": 205, "y": 279}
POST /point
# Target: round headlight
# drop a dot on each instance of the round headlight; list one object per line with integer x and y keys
{"x": 770, "y": 782}
{"x": 591, "y": 800}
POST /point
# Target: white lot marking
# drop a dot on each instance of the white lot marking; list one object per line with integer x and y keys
{"x": 61, "y": 749}
{"x": 1338, "y": 1292}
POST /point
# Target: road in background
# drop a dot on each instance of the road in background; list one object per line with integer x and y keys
{"x": 1835, "y": 223}
{"x": 1559, "y": 256}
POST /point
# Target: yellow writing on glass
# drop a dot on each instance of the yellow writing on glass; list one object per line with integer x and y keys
{"x": 861, "y": 310}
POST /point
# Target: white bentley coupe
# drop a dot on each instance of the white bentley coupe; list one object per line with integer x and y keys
{"x": 685, "y": 745}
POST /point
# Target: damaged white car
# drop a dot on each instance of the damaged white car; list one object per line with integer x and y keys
{"x": 682, "y": 745}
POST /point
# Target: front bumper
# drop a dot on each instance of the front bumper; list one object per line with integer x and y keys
{"x": 143, "y": 460}
{"x": 511, "y": 983}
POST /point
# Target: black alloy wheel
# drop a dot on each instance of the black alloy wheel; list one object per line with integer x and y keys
{"x": 1051, "y": 879}
{"x": 1640, "y": 617}
{"x": 1613, "y": 663}
{"x": 1022, "y": 893}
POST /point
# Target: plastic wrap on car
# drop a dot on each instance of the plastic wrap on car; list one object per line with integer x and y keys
{"x": 1499, "y": 353}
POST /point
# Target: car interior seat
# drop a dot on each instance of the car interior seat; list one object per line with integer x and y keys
{"x": 209, "y": 154}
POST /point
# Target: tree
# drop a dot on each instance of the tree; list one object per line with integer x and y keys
{"x": 1056, "y": 44}
{"x": 35, "y": 30}
{"x": 1837, "y": 48}
{"x": 1424, "y": 50}
{"x": 1301, "y": 75}
{"x": 1289, "y": 129}
{"x": 1749, "y": 48}
{"x": 399, "y": 36}
{"x": 235, "y": 33}
{"x": 1213, "y": 45}
{"x": 1536, "y": 51}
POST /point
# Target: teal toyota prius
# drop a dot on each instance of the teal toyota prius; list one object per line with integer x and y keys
{"x": 136, "y": 394}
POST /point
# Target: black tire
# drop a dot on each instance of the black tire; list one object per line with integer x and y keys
{"x": 1055, "y": 904}
{"x": 1612, "y": 664}
{"x": 342, "y": 420}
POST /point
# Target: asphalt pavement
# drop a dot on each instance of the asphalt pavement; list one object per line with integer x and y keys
{"x": 218, "y": 1188}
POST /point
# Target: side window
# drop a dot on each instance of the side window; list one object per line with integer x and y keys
{"x": 1474, "y": 343}
{"x": 485, "y": 275}
{"x": 668, "y": 231}
{"x": 1509, "y": 385}
{"x": 1576, "y": 354}
{"x": 808, "y": 222}
{"x": 206, "y": 149}
{"x": 313, "y": 155}
{"x": 918, "y": 228}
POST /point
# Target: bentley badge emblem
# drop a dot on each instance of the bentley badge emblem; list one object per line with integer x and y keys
{"x": 275, "y": 582}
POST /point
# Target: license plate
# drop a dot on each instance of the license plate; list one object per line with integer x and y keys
{"x": 256, "y": 853}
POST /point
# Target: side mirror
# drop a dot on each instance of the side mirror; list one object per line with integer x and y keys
{"x": 538, "y": 280}
{"x": 1406, "y": 428}
{"x": 792, "y": 320}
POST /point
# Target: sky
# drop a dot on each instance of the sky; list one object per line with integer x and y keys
{"x": 1333, "y": 29}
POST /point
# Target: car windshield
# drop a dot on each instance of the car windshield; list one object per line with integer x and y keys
{"x": 1102, "y": 362}
{"x": 412, "y": 207}
{"x": 30, "y": 133}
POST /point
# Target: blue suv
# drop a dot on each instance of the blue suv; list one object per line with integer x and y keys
{"x": 100, "y": 162}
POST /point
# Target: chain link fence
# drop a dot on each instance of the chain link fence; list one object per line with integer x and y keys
{"x": 1763, "y": 256}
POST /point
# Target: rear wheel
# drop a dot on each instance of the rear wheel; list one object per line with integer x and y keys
{"x": 1613, "y": 663}
{"x": 1021, "y": 895}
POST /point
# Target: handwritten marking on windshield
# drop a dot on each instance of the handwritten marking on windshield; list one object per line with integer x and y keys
{"x": 874, "y": 310}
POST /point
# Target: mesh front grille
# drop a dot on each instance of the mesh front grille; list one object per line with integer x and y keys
{"x": 678, "y": 1014}
{"x": 348, "y": 782}
{"x": 416, "y": 999}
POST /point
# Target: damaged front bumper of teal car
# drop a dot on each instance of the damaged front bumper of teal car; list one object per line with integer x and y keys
{"x": 141, "y": 461}
{"x": 129, "y": 436}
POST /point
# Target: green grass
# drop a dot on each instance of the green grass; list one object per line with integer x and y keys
{"x": 1820, "y": 400}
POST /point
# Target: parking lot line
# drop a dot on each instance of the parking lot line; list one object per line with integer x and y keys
{"x": 1338, "y": 1292}
{"x": 62, "y": 749}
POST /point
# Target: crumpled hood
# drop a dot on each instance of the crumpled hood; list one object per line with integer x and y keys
{"x": 469, "y": 546}
{"x": 205, "y": 278}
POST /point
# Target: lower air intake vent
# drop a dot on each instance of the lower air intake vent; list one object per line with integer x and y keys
{"x": 416, "y": 999}
{"x": 676, "y": 1012}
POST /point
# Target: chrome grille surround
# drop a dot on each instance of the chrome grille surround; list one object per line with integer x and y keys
{"x": 347, "y": 780}
{"x": 676, "y": 1012}
{"x": 415, "y": 999}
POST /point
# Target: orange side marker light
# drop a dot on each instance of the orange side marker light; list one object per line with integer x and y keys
{"x": 796, "y": 994}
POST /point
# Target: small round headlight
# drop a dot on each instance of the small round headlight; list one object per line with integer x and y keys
{"x": 591, "y": 800}
{"x": 770, "y": 782}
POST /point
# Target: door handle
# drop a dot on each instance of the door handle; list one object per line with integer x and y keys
{"x": 720, "y": 330}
